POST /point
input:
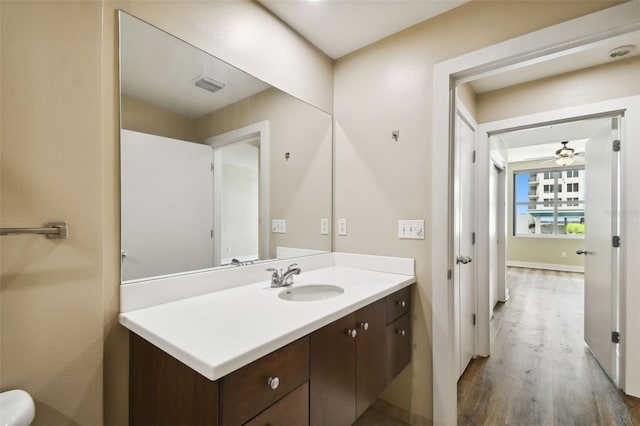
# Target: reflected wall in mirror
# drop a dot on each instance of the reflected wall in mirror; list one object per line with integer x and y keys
{"x": 210, "y": 156}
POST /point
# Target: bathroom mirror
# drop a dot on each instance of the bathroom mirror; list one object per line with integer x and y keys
{"x": 218, "y": 168}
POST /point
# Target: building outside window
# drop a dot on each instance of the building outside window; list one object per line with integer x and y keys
{"x": 541, "y": 207}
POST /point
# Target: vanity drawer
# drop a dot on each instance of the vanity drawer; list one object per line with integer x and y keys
{"x": 248, "y": 391}
{"x": 398, "y": 304}
{"x": 292, "y": 410}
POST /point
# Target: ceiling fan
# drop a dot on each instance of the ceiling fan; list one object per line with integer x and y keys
{"x": 566, "y": 155}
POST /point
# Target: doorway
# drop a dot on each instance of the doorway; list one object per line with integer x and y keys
{"x": 492, "y": 60}
{"x": 241, "y": 194}
{"x": 563, "y": 209}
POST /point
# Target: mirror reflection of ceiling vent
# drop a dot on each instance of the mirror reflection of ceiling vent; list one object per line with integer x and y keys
{"x": 209, "y": 84}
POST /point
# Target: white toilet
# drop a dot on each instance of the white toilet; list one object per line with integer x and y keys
{"x": 16, "y": 408}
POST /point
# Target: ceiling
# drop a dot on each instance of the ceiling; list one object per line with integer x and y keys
{"x": 339, "y": 27}
{"x": 161, "y": 69}
{"x": 543, "y": 141}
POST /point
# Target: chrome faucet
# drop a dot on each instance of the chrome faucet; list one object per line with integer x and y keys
{"x": 283, "y": 279}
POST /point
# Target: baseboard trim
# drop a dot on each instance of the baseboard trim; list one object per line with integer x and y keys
{"x": 547, "y": 266}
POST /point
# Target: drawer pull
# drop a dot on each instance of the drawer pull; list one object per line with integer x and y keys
{"x": 351, "y": 333}
{"x": 364, "y": 326}
{"x": 273, "y": 382}
{"x": 401, "y": 332}
{"x": 401, "y": 303}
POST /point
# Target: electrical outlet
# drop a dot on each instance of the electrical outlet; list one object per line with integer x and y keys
{"x": 342, "y": 226}
{"x": 324, "y": 226}
{"x": 411, "y": 229}
{"x": 278, "y": 226}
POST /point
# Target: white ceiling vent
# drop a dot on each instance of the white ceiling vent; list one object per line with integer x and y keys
{"x": 209, "y": 84}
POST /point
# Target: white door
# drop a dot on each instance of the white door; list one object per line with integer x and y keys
{"x": 236, "y": 189}
{"x": 494, "y": 220}
{"x": 601, "y": 262}
{"x": 464, "y": 275}
{"x": 167, "y": 199}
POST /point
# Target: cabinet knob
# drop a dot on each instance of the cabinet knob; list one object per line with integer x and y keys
{"x": 351, "y": 333}
{"x": 401, "y": 332}
{"x": 364, "y": 326}
{"x": 273, "y": 382}
{"x": 401, "y": 303}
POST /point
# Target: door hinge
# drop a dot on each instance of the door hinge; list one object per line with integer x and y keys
{"x": 211, "y": 233}
{"x": 474, "y": 156}
{"x": 211, "y": 166}
{"x": 615, "y": 241}
{"x": 473, "y": 238}
{"x": 473, "y": 319}
{"x": 615, "y": 337}
{"x": 616, "y": 145}
{"x": 449, "y": 274}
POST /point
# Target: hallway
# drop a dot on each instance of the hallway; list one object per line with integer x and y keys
{"x": 540, "y": 371}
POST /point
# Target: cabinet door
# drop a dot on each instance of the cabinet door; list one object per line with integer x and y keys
{"x": 164, "y": 391}
{"x": 398, "y": 345}
{"x": 370, "y": 354}
{"x": 332, "y": 383}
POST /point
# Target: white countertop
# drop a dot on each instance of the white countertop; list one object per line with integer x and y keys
{"x": 219, "y": 332}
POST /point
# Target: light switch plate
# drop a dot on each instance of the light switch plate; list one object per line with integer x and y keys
{"x": 342, "y": 226}
{"x": 324, "y": 226}
{"x": 278, "y": 226}
{"x": 411, "y": 229}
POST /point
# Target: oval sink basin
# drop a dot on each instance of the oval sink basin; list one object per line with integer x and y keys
{"x": 308, "y": 293}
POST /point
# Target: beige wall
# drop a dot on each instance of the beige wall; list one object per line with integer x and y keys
{"x": 388, "y": 86}
{"x": 610, "y": 81}
{"x": 537, "y": 249}
{"x": 51, "y": 300}
{"x": 141, "y": 116}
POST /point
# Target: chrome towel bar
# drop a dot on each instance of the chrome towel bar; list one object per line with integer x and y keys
{"x": 52, "y": 230}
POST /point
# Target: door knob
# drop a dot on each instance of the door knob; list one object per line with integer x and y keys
{"x": 585, "y": 252}
{"x": 463, "y": 259}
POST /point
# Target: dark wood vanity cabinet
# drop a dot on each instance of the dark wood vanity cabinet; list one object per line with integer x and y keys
{"x": 329, "y": 377}
{"x": 164, "y": 391}
{"x": 353, "y": 359}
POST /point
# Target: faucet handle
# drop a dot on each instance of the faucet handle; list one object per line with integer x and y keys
{"x": 273, "y": 270}
{"x": 292, "y": 266}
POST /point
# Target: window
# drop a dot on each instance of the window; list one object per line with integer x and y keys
{"x": 572, "y": 187}
{"x": 548, "y": 210}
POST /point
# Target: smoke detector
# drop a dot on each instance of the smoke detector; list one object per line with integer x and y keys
{"x": 209, "y": 84}
{"x": 621, "y": 51}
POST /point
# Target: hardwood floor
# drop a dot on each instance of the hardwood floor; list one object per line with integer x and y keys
{"x": 540, "y": 372}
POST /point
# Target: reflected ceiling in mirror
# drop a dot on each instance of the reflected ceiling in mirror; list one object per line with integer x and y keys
{"x": 218, "y": 168}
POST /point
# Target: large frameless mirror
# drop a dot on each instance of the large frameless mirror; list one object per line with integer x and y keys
{"x": 218, "y": 168}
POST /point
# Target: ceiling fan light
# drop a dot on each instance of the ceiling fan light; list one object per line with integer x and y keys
{"x": 564, "y": 161}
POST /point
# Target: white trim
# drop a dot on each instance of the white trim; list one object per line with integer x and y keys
{"x": 260, "y": 130}
{"x": 546, "y": 266}
{"x": 539, "y": 44}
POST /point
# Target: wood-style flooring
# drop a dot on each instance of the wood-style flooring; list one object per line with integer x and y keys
{"x": 540, "y": 371}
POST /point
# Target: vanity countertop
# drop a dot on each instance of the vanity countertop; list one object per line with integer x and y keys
{"x": 219, "y": 332}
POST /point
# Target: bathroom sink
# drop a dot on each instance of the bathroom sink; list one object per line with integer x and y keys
{"x": 308, "y": 293}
